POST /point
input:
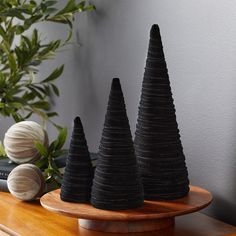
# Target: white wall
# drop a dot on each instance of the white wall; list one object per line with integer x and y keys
{"x": 199, "y": 39}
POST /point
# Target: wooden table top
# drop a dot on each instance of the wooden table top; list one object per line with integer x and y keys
{"x": 22, "y": 218}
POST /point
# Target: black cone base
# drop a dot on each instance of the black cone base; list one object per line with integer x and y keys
{"x": 116, "y": 184}
{"x": 77, "y": 179}
{"x": 157, "y": 140}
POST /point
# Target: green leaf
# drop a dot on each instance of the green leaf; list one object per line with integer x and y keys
{"x": 54, "y": 75}
{"x": 41, "y": 148}
{"x": 58, "y": 127}
{"x": 2, "y": 150}
{"x": 59, "y": 153}
{"x": 69, "y": 36}
{"x": 70, "y": 7}
{"x": 47, "y": 90}
{"x": 17, "y": 117}
{"x": 13, "y": 12}
{"x": 26, "y": 41}
{"x": 61, "y": 138}
{"x": 36, "y": 93}
{"x": 3, "y": 33}
{"x": 49, "y": 49}
{"x": 50, "y": 3}
{"x": 49, "y": 173}
{"x": 90, "y": 8}
{"x": 55, "y": 90}
{"x": 50, "y": 10}
{"x": 29, "y": 96}
{"x": 63, "y": 19}
{"x": 12, "y": 61}
{"x": 41, "y": 105}
{"x": 15, "y": 105}
{"x": 41, "y": 163}
{"x": 35, "y": 37}
{"x": 33, "y": 3}
{"x": 51, "y": 114}
{"x": 19, "y": 29}
{"x": 28, "y": 115}
{"x": 52, "y": 146}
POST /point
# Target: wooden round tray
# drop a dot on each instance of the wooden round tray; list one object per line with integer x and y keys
{"x": 153, "y": 215}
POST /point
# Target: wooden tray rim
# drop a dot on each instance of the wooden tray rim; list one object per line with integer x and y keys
{"x": 204, "y": 199}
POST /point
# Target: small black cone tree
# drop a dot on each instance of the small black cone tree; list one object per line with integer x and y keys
{"x": 157, "y": 140}
{"x": 77, "y": 179}
{"x": 116, "y": 183}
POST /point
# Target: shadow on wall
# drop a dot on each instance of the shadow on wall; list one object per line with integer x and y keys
{"x": 223, "y": 209}
{"x": 223, "y": 206}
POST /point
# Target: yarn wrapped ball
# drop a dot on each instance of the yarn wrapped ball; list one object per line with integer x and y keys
{"x": 19, "y": 141}
{"x": 26, "y": 182}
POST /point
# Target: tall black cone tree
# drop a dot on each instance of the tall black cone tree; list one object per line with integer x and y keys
{"x": 157, "y": 140}
{"x": 116, "y": 183}
{"x": 77, "y": 179}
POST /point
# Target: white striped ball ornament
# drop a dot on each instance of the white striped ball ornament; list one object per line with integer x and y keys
{"x": 26, "y": 182}
{"x": 19, "y": 141}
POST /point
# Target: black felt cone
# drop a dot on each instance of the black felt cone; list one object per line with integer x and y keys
{"x": 116, "y": 183}
{"x": 157, "y": 141}
{"x": 77, "y": 179}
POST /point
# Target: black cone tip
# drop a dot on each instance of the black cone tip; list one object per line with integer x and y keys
{"x": 77, "y": 122}
{"x": 155, "y": 31}
{"x": 116, "y": 84}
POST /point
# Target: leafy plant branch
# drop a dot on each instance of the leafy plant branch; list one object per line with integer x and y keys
{"x": 47, "y": 162}
{"x": 22, "y": 93}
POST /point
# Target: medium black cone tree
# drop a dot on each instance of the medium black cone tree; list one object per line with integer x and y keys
{"x": 77, "y": 179}
{"x": 157, "y": 141}
{"x": 116, "y": 183}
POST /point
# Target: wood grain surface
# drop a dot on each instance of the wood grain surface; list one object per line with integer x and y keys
{"x": 197, "y": 199}
{"x": 7, "y": 231}
{"x": 29, "y": 218}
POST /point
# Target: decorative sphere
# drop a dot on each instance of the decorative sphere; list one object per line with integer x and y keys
{"x": 26, "y": 182}
{"x": 19, "y": 141}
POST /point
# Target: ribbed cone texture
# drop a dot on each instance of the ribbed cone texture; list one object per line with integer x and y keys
{"x": 157, "y": 141}
{"x": 77, "y": 179}
{"x": 116, "y": 183}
